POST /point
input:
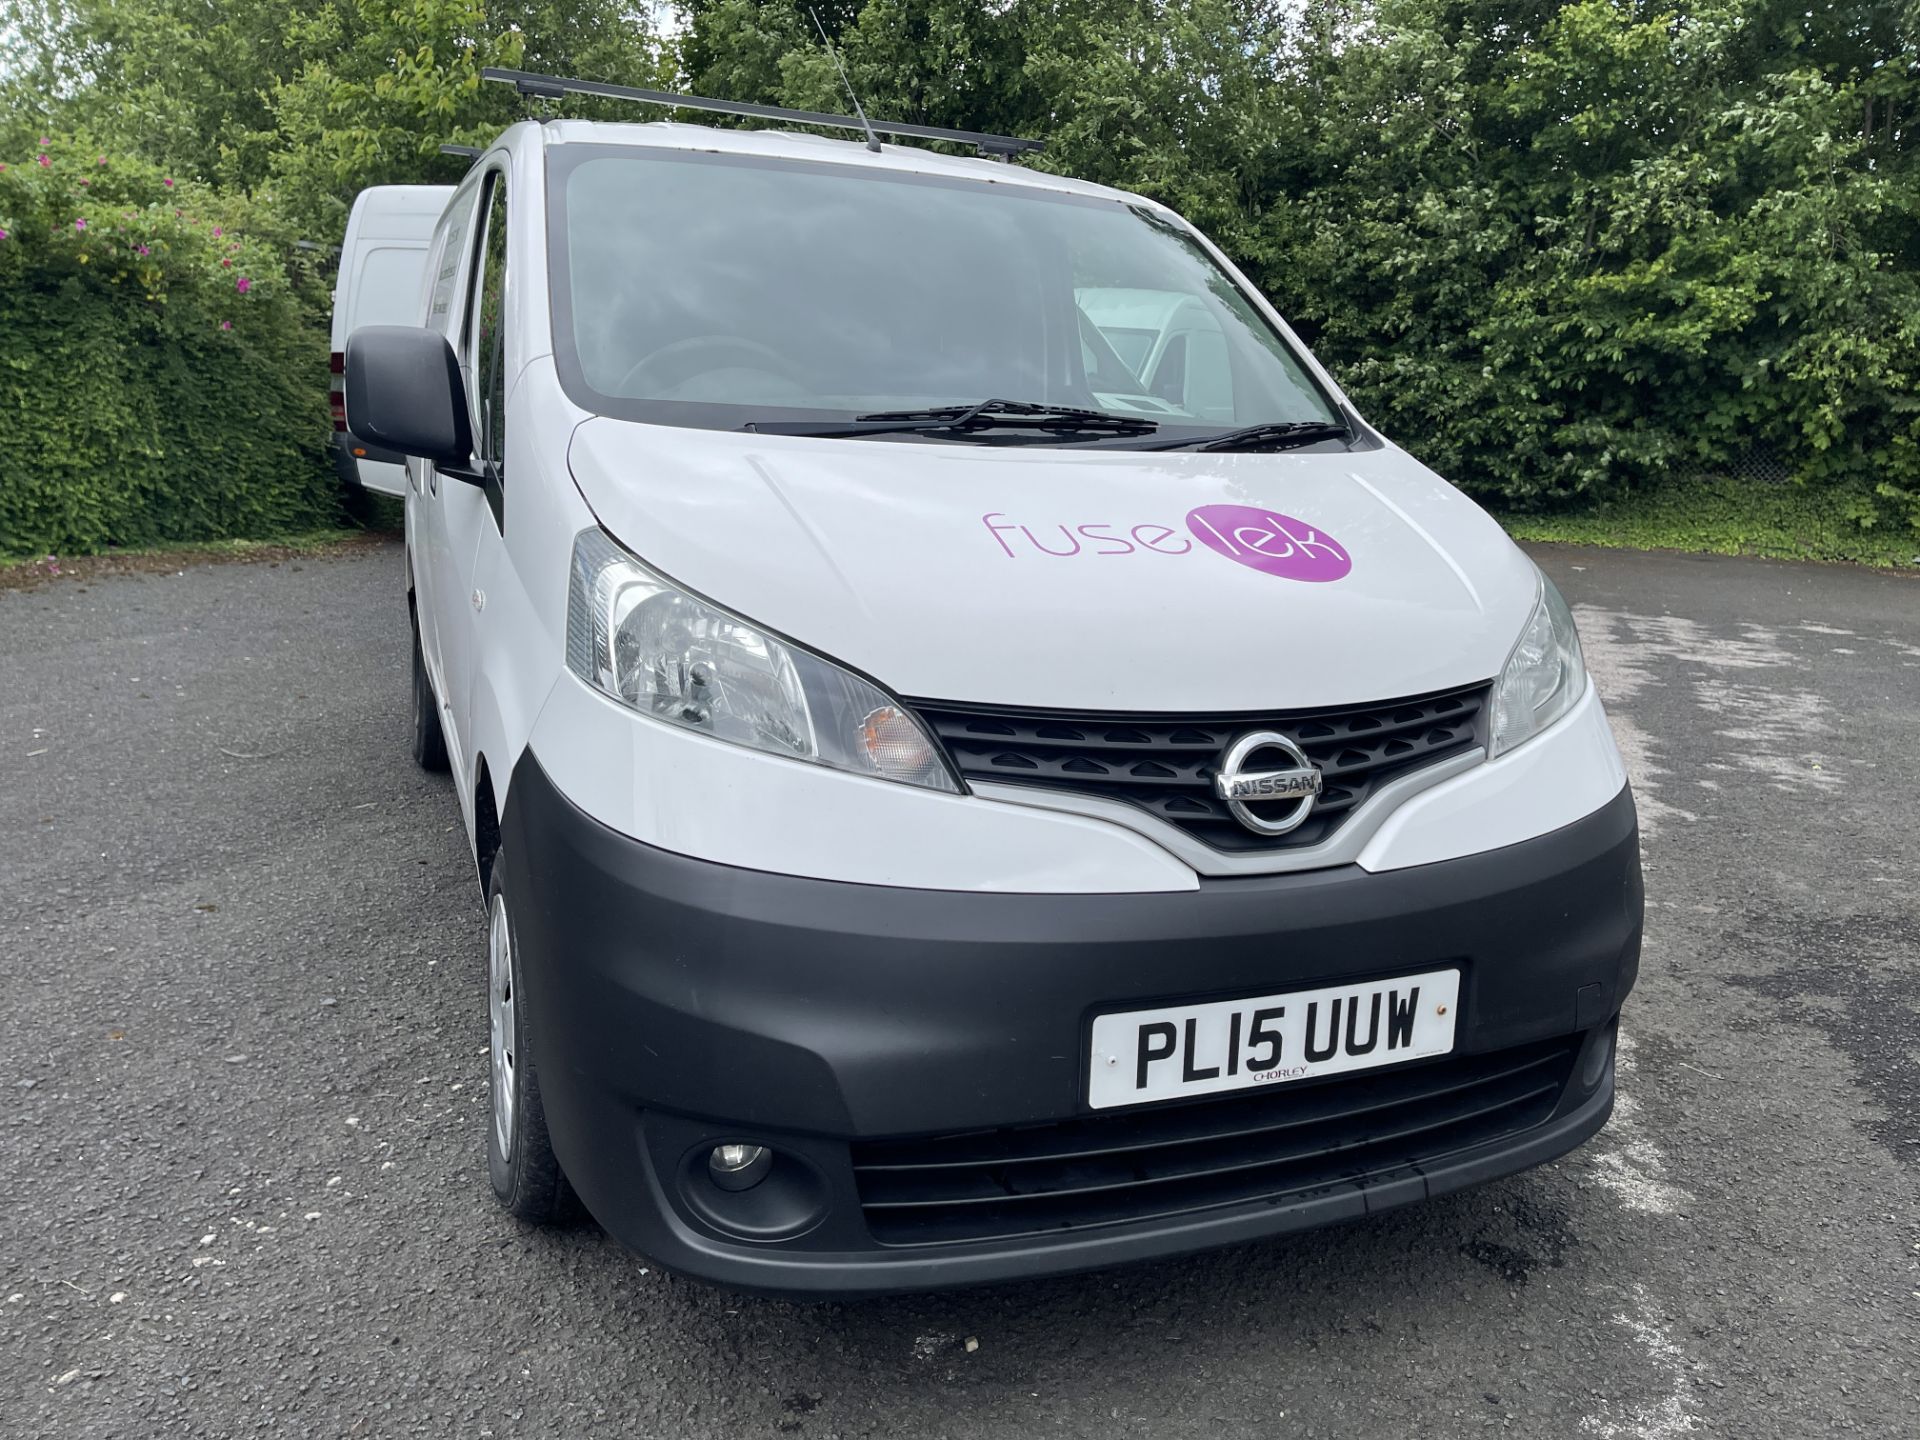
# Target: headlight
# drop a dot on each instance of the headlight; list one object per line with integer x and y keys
{"x": 644, "y": 642}
{"x": 1543, "y": 677}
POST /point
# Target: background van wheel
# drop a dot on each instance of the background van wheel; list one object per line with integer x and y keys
{"x": 429, "y": 741}
{"x": 526, "y": 1176}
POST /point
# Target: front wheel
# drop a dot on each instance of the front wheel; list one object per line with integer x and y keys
{"x": 429, "y": 740}
{"x": 520, "y": 1160}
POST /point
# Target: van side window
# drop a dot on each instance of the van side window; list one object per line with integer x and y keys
{"x": 453, "y": 250}
{"x": 487, "y": 353}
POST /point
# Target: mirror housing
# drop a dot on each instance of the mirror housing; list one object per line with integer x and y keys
{"x": 404, "y": 393}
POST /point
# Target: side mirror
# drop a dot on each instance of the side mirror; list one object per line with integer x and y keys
{"x": 404, "y": 393}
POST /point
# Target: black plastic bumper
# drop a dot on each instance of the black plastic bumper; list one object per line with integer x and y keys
{"x": 680, "y": 1003}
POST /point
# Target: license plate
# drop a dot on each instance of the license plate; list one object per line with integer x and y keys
{"x": 1165, "y": 1054}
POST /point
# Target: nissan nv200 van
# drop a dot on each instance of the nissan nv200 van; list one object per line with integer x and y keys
{"x": 950, "y": 806}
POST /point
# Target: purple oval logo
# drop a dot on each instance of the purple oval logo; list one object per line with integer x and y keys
{"x": 1267, "y": 541}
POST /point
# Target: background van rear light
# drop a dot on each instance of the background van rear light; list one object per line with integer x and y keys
{"x": 336, "y": 390}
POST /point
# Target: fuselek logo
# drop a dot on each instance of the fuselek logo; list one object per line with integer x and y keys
{"x": 1263, "y": 540}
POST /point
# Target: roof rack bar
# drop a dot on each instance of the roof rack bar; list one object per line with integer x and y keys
{"x": 462, "y": 152}
{"x": 550, "y": 87}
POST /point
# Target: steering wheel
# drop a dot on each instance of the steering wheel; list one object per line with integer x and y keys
{"x": 679, "y": 362}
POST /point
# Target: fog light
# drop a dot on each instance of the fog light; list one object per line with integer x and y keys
{"x": 739, "y": 1167}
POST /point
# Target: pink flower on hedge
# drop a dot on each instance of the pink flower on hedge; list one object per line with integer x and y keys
{"x": 79, "y": 224}
{"x": 139, "y": 249}
{"x": 86, "y": 182}
{"x": 243, "y": 284}
{"x": 225, "y": 264}
{"x": 168, "y": 182}
{"x": 44, "y": 142}
{"x": 103, "y": 159}
{"x": 216, "y": 232}
{"x": 45, "y": 160}
{"x": 3, "y": 234}
{"x": 226, "y": 324}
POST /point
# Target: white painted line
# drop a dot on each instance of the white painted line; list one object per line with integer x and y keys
{"x": 1675, "y": 1412}
{"x": 1619, "y": 674}
{"x": 1627, "y": 1162}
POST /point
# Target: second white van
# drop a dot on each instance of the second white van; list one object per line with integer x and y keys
{"x": 383, "y": 263}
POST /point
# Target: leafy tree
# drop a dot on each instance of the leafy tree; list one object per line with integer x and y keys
{"x": 317, "y": 101}
{"x": 1560, "y": 248}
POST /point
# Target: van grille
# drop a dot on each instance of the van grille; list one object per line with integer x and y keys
{"x": 1165, "y": 763}
{"x": 1270, "y": 1146}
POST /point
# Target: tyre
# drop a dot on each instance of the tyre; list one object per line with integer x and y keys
{"x": 520, "y": 1160}
{"x": 429, "y": 740}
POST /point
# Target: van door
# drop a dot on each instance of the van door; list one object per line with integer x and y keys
{"x": 469, "y": 513}
{"x": 435, "y": 581}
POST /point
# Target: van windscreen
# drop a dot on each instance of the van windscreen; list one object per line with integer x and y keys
{"x": 720, "y": 291}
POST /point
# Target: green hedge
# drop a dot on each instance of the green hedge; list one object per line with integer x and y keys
{"x": 160, "y": 378}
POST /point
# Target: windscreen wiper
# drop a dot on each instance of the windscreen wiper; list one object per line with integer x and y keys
{"x": 967, "y": 419}
{"x": 1274, "y": 435}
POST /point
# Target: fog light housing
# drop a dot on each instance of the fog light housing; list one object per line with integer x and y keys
{"x": 744, "y": 1189}
{"x": 738, "y": 1167}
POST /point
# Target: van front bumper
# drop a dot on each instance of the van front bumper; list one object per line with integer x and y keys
{"x": 917, "y": 1059}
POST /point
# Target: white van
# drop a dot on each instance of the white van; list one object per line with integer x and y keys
{"x": 383, "y": 266}
{"x": 947, "y": 812}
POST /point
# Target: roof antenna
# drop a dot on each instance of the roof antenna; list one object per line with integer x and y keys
{"x": 873, "y": 140}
